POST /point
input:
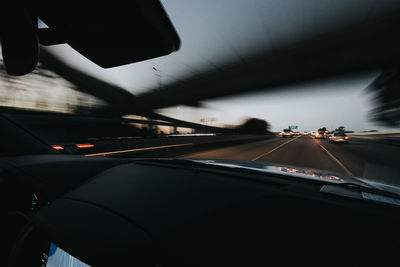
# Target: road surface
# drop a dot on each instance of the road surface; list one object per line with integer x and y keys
{"x": 363, "y": 158}
{"x": 369, "y": 158}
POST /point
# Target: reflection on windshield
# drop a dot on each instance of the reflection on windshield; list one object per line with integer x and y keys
{"x": 271, "y": 168}
{"x": 43, "y": 90}
{"x": 312, "y": 173}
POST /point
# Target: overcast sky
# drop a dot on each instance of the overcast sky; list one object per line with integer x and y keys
{"x": 214, "y": 32}
{"x": 341, "y": 101}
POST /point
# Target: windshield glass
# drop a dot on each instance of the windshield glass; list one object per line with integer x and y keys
{"x": 226, "y": 94}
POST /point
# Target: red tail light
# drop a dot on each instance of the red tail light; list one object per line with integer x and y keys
{"x": 84, "y": 145}
{"x": 346, "y": 137}
{"x": 57, "y": 147}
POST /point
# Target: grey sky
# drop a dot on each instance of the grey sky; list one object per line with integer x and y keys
{"x": 214, "y": 32}
{"x": 330, "y": 103}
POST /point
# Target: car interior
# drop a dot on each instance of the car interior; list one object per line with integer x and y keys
{"x": 110, "y": 211}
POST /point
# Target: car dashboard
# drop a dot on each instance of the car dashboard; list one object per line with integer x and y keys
{"x": 109, "y": 212}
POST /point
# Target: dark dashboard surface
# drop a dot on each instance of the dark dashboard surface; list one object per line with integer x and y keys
{"x": 110, "y": 211}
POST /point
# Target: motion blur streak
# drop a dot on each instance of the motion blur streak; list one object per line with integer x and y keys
{"x": 136, "y": 149}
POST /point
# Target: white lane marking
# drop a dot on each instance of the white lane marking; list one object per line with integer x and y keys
{"x": 136, "y": 149}
{"x": 204, "y": 153}
{"x": 269, "y": 152}
{"x": 337, "y": 161}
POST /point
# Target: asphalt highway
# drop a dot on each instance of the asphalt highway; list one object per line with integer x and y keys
{"x": 360, "y": 157}
{"x": 363, "y": 157}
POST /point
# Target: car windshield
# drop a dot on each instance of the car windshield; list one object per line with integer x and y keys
{"x": 245, "y": 71}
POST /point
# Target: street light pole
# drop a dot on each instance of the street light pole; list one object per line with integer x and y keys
{"x": 158, "y": 74}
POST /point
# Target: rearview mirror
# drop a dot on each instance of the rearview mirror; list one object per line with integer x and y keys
{"x": 19, "y": 42}
{"x": 110, "y": 35}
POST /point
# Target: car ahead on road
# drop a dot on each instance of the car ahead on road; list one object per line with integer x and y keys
{"x": 305, "y": 133}
{"x": 313, "y": 133}
{"x": 319, "y": 135}
{"x": 287, "y": 133}
{"x": 338, "y": 137}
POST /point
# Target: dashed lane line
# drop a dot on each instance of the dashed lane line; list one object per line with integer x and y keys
{"x": 272, "y": 150}
{"x": 337, "y": 161}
